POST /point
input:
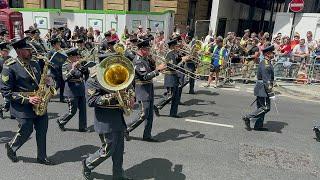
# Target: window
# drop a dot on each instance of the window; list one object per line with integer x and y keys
{"x": 94, "y": 4}
{"x": 16, "y": 3}
{"x": 139, "y": 5}
{"x": 53, "y": 4}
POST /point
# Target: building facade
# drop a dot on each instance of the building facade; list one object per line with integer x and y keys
{"x": 186, "y": 11}
{"x": 256, "y": 15}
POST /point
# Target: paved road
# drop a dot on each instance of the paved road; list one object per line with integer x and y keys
{"x": 210, "y": 142}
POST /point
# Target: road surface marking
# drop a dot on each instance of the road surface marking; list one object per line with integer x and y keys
{"x": 209, "y": 123}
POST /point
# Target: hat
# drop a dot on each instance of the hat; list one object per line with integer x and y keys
{"x": 34, "y": 31}
{"x": 27, "y": 31}
{"x": 72, "y": 52}
{"x": 3, "y": 32}
{"x": 21, "y": 44}
{"x": 55, "y": 41}
{"x": 296, "y": 34}
{"x": 172, "y": 42}
{"x": 268, "y": 49}
{"x": 61, "y": 28}
{"x": 140, "y": 27}
{"x": 4, "y": 46}
{"x": 143, "y": 43}
{"x": 247, "y": 30}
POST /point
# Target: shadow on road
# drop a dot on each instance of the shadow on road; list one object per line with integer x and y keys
{"x": 195, "y": 113}
{"x": 176, "y": 135}
{"x": 207, "y": 92}
{"x": 198, "y": 102}
{"x": 155, "y": 168}
{"x": 275, "y": 126}
{"x": 6, "y": 136}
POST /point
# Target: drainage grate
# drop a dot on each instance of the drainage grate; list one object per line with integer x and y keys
{"x": 277, "y": 158}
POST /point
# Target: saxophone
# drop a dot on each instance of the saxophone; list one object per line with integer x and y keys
{"x": 44, "y": 91}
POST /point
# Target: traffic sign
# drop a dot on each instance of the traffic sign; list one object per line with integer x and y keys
{"x": 296, "y": 5}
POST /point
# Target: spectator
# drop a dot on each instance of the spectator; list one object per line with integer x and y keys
{"x": 285, "y": 48}
{"x": 296, "y": 40}
{"x": 125, "y": 35}
{"x": 245, "y": 38}
{"x": 311, "y": 44}
{"x": 208, "y": 37}
{"x": 90, "y": 35}
{"x": 300, "y": 52}
{"x": 148, "y": 34}
{"x": 114, "y": 35}
{"x": 67, "y": 31}
{"x": 98, "y": 37}
{"x": 140, "y": 32}
{"x": 252, "y": 52}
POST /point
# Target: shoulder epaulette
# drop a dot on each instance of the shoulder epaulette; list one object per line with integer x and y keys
{"x": 10, "y": 61}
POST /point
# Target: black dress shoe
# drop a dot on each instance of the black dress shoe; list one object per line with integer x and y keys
{"x": 61, "y": 127}
{"x": 150, "y": 139}
{"x": 84, "y": 130}
{"x": 175, "y": 116}
{"x": 86, "y": 172}
{"x": 156, "y": 110}
{"x": 11, "y": 154}
{"x": 45, "y": 161}
{"x": 182, "y": 104}
{"x": 192, "y": 92}
{"x": 127, "y": 135}
{"x": 317, "y": 131}
{"x": 1, "y": 114}
{"x": 261, "y": 129}
{"x": 247, "y": 123}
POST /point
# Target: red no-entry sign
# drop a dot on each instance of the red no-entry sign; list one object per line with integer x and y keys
{"x": 296, "y": 5}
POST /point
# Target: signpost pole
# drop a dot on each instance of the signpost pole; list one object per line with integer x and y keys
{"x": 293, "y": 25}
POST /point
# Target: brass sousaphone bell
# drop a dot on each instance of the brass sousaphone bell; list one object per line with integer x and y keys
{"x": 116, "y": 73}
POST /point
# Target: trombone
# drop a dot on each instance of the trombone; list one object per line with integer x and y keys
{"x": 177, "y": 68}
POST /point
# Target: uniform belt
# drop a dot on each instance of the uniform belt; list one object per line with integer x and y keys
{"x": 109, "y": 107}
{"x": 75, "y": 80}
{"x": 143, "y": 82}
{"x": 170, "y": 72}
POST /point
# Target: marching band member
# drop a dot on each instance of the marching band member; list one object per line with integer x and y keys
{"x": 4, "y": 36}
{"x": 262, "y": 90}
{"x": 20, "y": 76}
{"x": 171, "y": 81}
{"x": 56, "y": 68}
{"x": 4, "y": 56}
{"x": 110, "y": 125}
{"x": 37, "y": 42}
{"x": 129, "y": 52}
{"x": 74, "y": 91}
{"x": 145, "y": 71}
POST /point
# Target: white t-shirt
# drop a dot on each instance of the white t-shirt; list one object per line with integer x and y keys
{"x": 300, "y": 49}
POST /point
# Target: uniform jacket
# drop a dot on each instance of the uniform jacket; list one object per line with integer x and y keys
{"x": 2, "y": 61}
{"x": 171, "y": 76}
{"x": 15, "y": 81}
{"x": 145, "y": 72}
{"x": 74, "y": 80}
{"x": 129, "y": 54}
{"x": 265, "y": 78}
{"x": 108, "y": 117}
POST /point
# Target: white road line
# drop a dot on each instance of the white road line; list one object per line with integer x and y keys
{"x": 209, "y": 123}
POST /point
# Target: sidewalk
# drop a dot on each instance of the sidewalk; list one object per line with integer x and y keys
{"x": 311, "y": 91}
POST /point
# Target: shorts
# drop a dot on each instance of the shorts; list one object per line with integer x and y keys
{"x": 215, "y": 69}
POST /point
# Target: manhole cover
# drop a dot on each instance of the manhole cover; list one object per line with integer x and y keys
{"x": 277, "y": 158}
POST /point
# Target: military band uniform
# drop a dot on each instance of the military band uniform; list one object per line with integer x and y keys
{"x": 74, "y": 93}
{"x": 6, "y": 105}
{"x": 18, "y": 79}
{"x": 262, "y": 90}
{"x": 191, "y": 66}
{"x": 57, "y": 73}
{"x": 171, "y": 82}
{"x": 110, "y": 125}
{"x": 145, "y": 72}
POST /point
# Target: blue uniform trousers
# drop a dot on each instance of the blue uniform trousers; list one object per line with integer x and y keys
{"x": 40, "y": 124}
{"x": 175, "y": 91}
{"x": 146, "y": 115}
{"x": 75, "y": 103}
{"x": 112, "y": 145}
{"x": 263, "y": 107}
